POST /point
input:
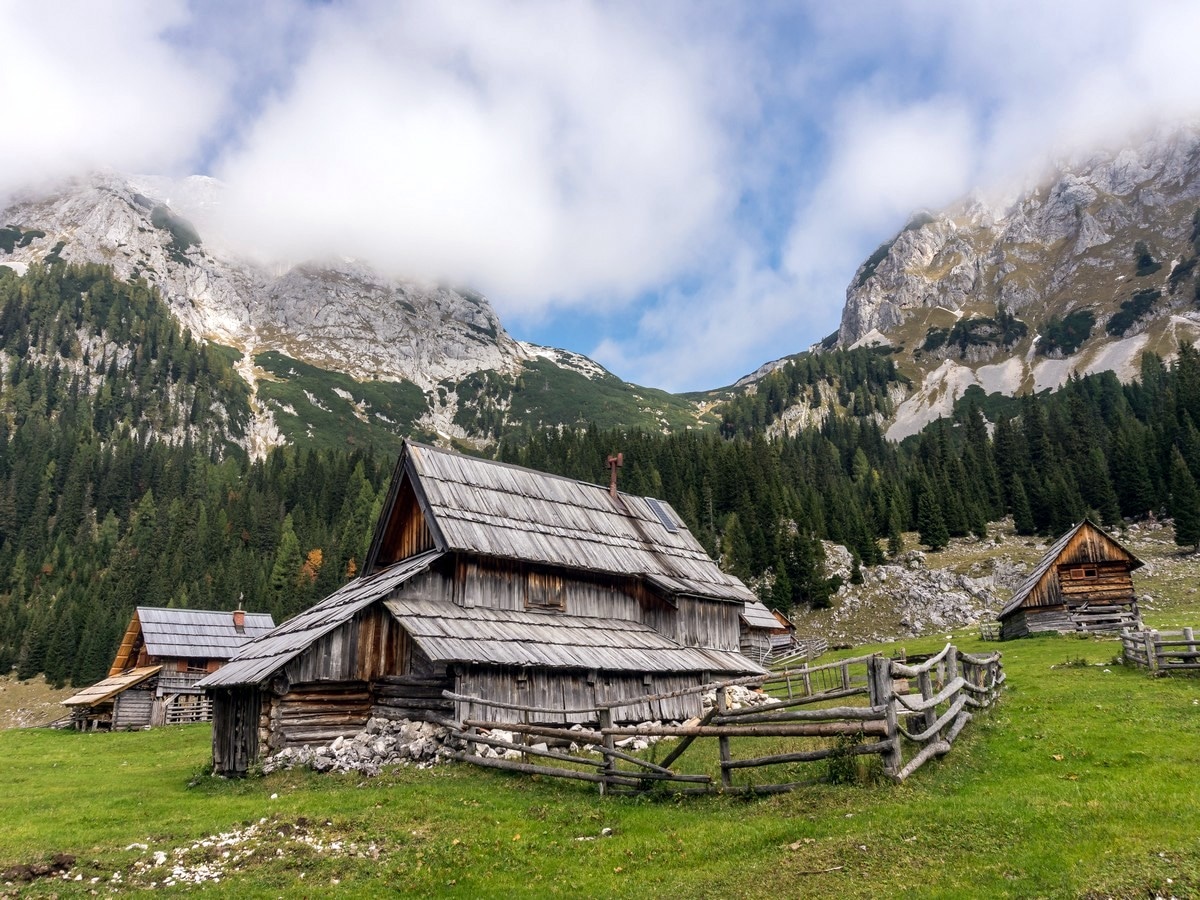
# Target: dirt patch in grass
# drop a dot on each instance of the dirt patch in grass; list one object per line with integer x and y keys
{"x": 27, "y": 704}
{"x": 58, "y": 866}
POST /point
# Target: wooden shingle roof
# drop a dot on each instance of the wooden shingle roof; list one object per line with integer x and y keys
{"x": 756, "y": 615}
{"x": 494, "y": 509}
{"x": 197, "y": 633}
{"x": 450, "y": 633}
{"x": 111, "y": 686}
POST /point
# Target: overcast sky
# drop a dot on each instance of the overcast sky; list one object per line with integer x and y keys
{"x": 680, "y": 190}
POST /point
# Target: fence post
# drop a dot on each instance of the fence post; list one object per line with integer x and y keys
{"x": 610, "y": 763}
{"x": 1191, "y": 644}
{"x": 951, "y": 664}
{"x": 723, "y": 742}
{"x": 925, "y": 680}
{"x": 882, "y": 693}
{"x": 1151, "y": 651}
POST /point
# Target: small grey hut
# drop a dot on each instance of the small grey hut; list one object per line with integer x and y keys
{"x": 497, "y": 582}
{"x": 162, "y": 656}
{"x": 1083, "y": 583}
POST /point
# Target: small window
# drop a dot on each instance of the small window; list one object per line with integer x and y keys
{"x": 545, "y": 592}
{"x": 1089, "y": 573}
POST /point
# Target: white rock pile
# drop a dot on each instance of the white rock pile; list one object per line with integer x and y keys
{"x": 381, "y": 743}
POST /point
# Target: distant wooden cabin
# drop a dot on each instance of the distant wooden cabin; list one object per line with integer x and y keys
{"x": 761, "y": 631}
{"x": 162, "y": 656}
{"x": 1083, "y": 583}
{"x": 497, "y": 582}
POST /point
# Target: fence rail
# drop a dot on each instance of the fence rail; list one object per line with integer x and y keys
{"x": 1161, "y": 652}
{"x": 830, "y": 714}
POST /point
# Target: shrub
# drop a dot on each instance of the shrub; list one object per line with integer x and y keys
{"x": 1132, "y": 310}
{"x": 1067, "y": 334}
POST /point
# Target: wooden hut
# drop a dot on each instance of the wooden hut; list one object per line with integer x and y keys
{"x": 162, "y": 656}
{"x": 1083, "y": 583}
{"x": 758, "y": 629}
{"x": 496, "y": 582}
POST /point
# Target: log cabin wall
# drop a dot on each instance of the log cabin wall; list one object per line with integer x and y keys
{"x": 413, "y": 689}
{"x": 317, "y": 712}
{"x": 1095, "y": 583}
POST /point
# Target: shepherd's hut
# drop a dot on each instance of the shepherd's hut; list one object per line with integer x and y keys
{"x": 162, "y": 656}
{"x": 496, "y": 582}
{"x": 1083, "y": 583}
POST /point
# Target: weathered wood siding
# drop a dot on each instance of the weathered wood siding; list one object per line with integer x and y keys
{"x": 133, "y": 708}
{"x": 755, "y": 644}
{"x": 235, "y": 738}
{"x": 502, "y": 584}
{"x": 361, "y": 649}
{"x": 567, "y": 690}
{"x": 1105, "y": 582}
{"x": 407, "y": 533}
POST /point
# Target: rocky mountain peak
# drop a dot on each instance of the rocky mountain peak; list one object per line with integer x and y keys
{"x": 335, "y": 313}
{"x": 1079, "y": 271}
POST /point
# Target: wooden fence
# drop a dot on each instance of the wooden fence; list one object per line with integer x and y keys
{"x": 1161, "y": 652}
{"x": 798, "y": 652}
{"x": 828, "y": 715}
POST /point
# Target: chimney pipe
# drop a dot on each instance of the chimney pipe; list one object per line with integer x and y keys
{"x": 614, "y": 463}
{"x": 239, "y": 620}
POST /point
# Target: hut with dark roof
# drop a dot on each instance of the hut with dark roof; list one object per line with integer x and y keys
{"x": 163, "y": 655}
{"x": 1083, "y": 583}
{"x": 498, "y": 582}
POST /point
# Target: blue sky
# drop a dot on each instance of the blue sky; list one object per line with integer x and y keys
{"x": 680, "y": 190}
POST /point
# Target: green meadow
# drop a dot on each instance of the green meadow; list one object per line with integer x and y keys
{"x": 1081, "y": 782}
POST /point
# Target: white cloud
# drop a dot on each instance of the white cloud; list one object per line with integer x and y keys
{"x": 90, "y": 85}
{"x": 545, "y": 152}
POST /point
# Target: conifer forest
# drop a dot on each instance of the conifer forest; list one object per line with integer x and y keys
{"x": 122, "y": 481}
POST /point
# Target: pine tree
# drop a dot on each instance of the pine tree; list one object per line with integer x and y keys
{"x": 930, "y": 522}
{"x": 1185, "y": 503}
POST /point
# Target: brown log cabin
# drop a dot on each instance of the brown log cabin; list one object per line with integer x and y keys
{"x": 495, "y": 582}
{"x": 1083, "y": 583}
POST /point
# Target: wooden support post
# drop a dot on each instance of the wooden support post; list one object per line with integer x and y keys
{"x": 807, "y": 682}
{"x": 925, "y": 680}
{"x": 723, "y": 742}
{"x": 1151, "y": 651}
{"x": 951, "y": 665}
{"x": 882, "y": 693}
{"x": 1191, "y": 643}
{"x": 788, "y": 675}
{"x": 845, "y": 676}
{"x": 608, "y": 770}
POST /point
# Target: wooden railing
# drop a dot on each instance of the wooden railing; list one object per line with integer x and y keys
{"x": 799, "y": 652}
{"x": 949, "y": 686}
{"x": 1161, "y": 652}
{"x": 829, "y": 714}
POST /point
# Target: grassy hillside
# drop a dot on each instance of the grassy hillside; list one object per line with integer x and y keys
{"x": 1079, "y": 783}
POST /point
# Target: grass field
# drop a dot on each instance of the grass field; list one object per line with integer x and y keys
{"x": 1082, "y": 781}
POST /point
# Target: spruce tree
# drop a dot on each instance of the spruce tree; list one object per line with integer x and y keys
{"x": 930, "y": 522}
{"x": 1185, "y": 503}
